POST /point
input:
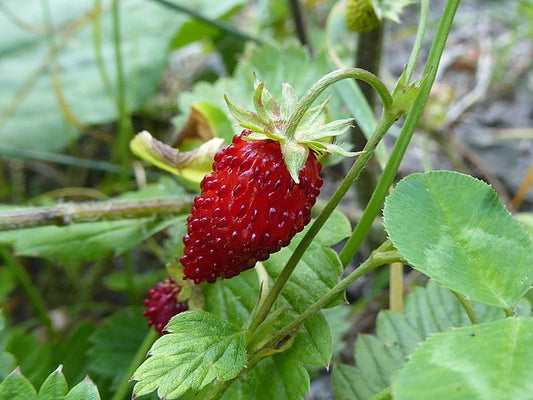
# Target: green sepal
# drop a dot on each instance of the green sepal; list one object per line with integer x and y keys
{"x": 312, "y": 120}
{"x": 289, "y": 100}
{"x": 331, "y": 148}
{"x": 404, "y": 94}
{"x": 332, "y": 129}
{"x": 266, "y": 106}
{"x": 295, "y": 155}
{"x": 246, "y": 119}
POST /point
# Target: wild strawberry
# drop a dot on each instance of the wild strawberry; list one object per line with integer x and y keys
{"x": 361, "y": 16}
{"x": 162, "y": 304}
{"x": 249, "y": 208}
{"x": 261, "y": 190}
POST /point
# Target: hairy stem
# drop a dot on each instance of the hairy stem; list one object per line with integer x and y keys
{"x": 328, "y": 80}
{"x": 376, "y": 259}
{"x": 69, "y": 213}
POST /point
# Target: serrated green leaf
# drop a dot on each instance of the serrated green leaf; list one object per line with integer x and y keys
{"x": 54, "y": 387}
{"x": 115, "y": 343}
{"x": 199, "y": 349}
{"x": 454, "y": 229}
{"x": 487, "y": 361}
{"x": 92, "y": 240}
{"x": 85, "y": 390}
{"x": 31, "y": 116}
{"x": 17, "y": 387}
{"x": 280, "y": 377}
{"x": 378, "y": 358}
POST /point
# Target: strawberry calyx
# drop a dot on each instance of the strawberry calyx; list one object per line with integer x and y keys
{"x": 271, "y": 120}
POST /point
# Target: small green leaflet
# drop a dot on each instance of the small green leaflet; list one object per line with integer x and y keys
{"x": 199, "y": 349}
{"x": 453, "y": 228}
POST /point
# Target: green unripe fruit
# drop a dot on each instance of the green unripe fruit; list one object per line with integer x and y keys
{"x": 360, "y": 16}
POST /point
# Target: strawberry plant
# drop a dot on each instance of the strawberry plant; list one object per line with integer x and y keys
{"x": 228, "y": 273}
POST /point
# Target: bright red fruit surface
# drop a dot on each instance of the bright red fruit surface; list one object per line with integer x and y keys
{"x": 249, "y": 207}
{"x": 161, "y": 304}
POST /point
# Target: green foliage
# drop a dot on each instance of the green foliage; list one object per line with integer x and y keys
{"x": 17, "y": 387}
{"x": 77, "y": 64}
{"x": 378, "y": 358}
{"x": 454, "y": 229}
{"x": 489, "y": 361}
{"x": 199, "y": 349}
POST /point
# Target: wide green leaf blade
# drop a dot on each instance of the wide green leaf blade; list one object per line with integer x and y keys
{"x": 378, "y": 357}
{"x": 54, "y": 387}
{"x": 490, "y": 361}
{"x": 453, "y": 228}
{"x": 199, "y": 349}
{"x": 17, "y": 387}
{"x": 85, "y": 390}
{"x": 31, "y": 116}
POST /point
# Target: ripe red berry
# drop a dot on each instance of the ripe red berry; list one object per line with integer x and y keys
{"x": 161, "y": 304}
{"x": 249, "y": 207}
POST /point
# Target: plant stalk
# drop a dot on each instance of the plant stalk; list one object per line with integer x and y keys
{"x": 328, "y": 80}
{"x": 467, "y": 306}
{"x": 408, "y": 129}
{"x": 69, "y": 213}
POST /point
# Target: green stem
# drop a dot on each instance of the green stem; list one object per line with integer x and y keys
{"x": 17, "y": 269}
{"x": 385, "y": 394}
{"x": 125, "y": 384}
{"x": 328, "y": 80}
{"x": 97, "y": 42}
{"x": 382, "y": 128}
{"x": 467, "y": 306}
{"x": 124, "y": 124}
{"x": 420, "y": 33}
{"x": 411, "y": 122}
{"x": 376, "y": 259}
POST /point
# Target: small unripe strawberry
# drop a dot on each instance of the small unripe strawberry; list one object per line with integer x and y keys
{"x": 361, "y": 16}
{"x": 162, "y": 304}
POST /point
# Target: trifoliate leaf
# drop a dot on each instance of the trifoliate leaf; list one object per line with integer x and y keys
{"x": 199, "y": 349}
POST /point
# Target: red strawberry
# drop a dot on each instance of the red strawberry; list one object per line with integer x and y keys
{"x": 162, "y": 304}
{"x": 249, "y": 208}
{"x": 261, "y": 190}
